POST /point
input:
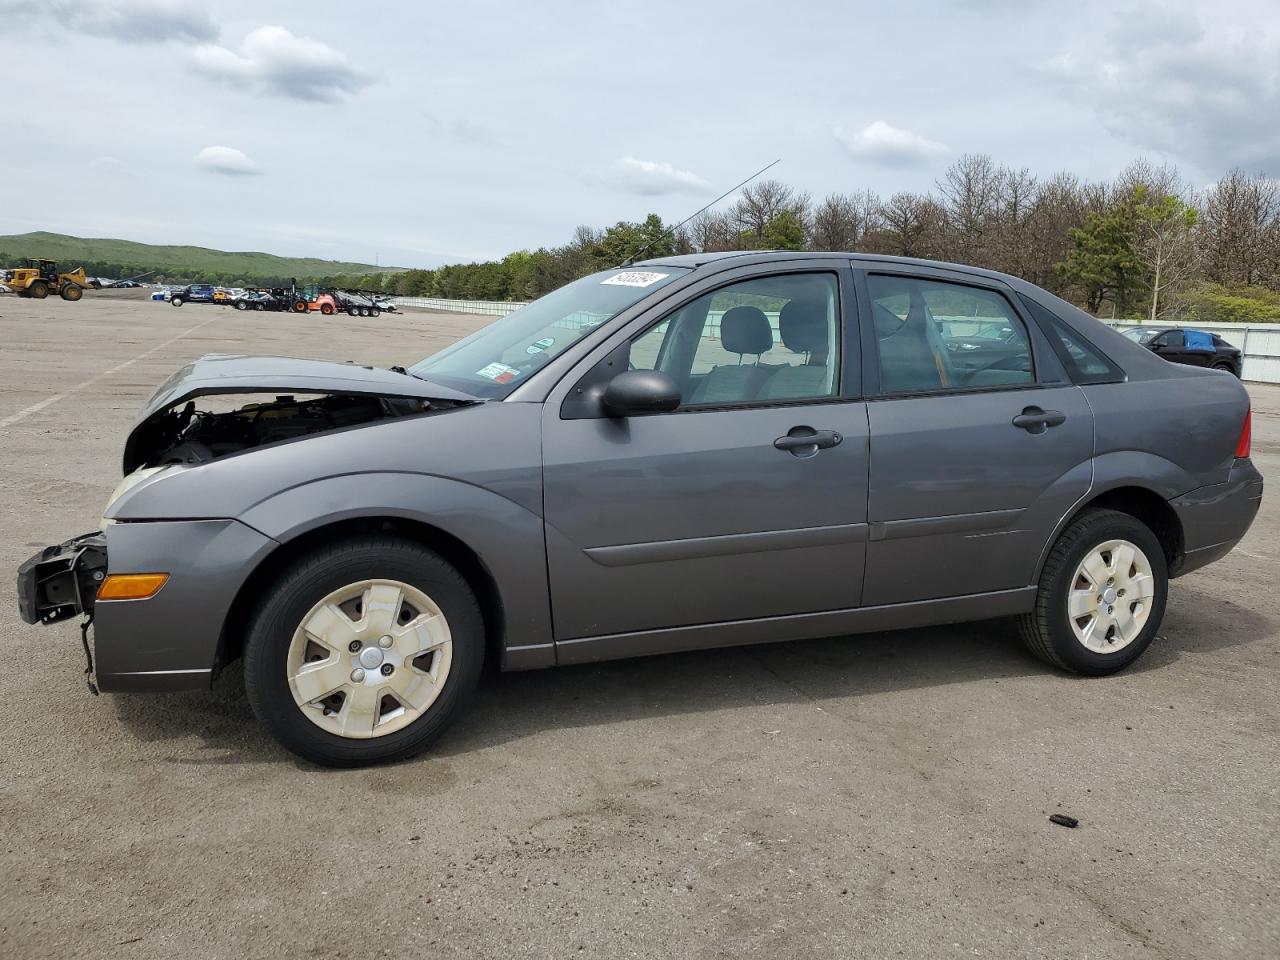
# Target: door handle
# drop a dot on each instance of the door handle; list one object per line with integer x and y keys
{"x": 1035, "y": 420}
{"x": 806, "y": 441}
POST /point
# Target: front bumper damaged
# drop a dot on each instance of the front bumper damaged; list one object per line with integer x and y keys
{"x": 62, "y": 581}
{"x": 170, "y": 641}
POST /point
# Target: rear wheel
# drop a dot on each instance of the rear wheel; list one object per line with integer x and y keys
{"x": 241, "y": 305}
{"x": 299, "y": 307}
{"x": 363, "y": 652}
{"x": 375, "y": 312}
{"x": 1102, "y": 595}
{"x": 38, "y": 290}
{"x": 353, "y": 312}
{"x": 71, "y": 291}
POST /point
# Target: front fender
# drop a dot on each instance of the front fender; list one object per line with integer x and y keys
{"x": 507, "y": 537}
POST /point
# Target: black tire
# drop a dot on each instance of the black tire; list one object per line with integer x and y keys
{"x": 352, "y": 312}
{"x": 1223, "y": 365}
{"x": 312, "y": 578}
{"x": 241, "y": 305}
{"x": 1046, "y": 630}
{"x": 259, "y": 306}
{"x": 175, "y": 301}
{"x": 71, "y": 291}
{"x": 38, "y": 290}
{"x": 375, "y": 312}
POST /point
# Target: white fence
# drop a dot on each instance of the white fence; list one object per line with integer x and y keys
{"x": 1259, "y": 342}
{"x": 492, "y": 308}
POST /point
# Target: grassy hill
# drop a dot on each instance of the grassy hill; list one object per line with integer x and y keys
{"x": 173, "y": 261}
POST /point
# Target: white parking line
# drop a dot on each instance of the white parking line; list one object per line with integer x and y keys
{"x": 37, "y": 407}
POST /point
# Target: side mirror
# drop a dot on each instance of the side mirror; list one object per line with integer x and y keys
{"x": 640, "y": 391}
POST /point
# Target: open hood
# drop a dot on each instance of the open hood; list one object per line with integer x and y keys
{"x": 370, "y": 392}
{"x": 228, "y": 373}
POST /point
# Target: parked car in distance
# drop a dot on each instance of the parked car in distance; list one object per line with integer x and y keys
{"x": 260, "y": 300}
{"x": 1196, "y": 348}
{"x": 694, "y": 451}
{"x": 194, "y": 293}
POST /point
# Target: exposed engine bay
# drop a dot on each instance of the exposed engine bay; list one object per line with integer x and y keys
{"x": 188, "y": 435}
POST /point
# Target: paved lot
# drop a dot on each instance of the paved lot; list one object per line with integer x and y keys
{"x": 876, "y": 796}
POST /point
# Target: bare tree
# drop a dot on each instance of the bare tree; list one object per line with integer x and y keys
{"x": 910, "y": 225}
{"x": 970, "y": 193}
{"x": 761, "y": 202}
{"x": 1166, "y": 245}
{"x": 709, "y": 232}
{"x": 1240, "y": 228}
{"x": 841, "y": 220}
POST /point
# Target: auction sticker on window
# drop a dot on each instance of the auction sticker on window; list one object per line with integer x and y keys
{"x": 634, "y": 278}
{"x": 498, "y": 373}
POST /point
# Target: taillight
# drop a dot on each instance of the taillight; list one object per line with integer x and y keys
{"x": 1246, "y": 436}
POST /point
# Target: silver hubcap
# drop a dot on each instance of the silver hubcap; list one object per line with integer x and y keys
{"x": 369, "y": 658}
{"x": 1111, "y": 596}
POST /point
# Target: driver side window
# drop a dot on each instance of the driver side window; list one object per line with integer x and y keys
{"x": 761, "y": 340}
{"x": 934, "y": 335}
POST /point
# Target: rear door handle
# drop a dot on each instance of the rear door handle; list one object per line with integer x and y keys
{"x": 806, "y": 441}
{"x": 1035, "y": 420}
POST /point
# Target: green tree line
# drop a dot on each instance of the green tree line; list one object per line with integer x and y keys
{"x": 1141, "y": 245}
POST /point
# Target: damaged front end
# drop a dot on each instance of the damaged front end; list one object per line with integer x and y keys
{"x": 302, "y": 397}
{"x": 62, "y": 581}
{"x": 215, "y": 407}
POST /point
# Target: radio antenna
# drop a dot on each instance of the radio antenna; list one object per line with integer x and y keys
{"x": 670, "y": 231}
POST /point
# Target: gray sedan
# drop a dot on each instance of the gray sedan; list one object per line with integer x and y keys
{"x": 689, "y": 452}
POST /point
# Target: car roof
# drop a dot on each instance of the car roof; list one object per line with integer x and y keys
{"x": 734, "y": 258}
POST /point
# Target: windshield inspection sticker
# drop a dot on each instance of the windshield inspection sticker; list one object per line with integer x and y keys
{"x": 539, "y": 345}
{"x": 498, "y": 373}
{"x": 634, "y": 278}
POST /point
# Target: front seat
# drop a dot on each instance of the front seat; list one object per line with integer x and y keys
{"x": 743, "y": 330}
{"x": 803, "y": 328}
{"x": 912, "y": 355}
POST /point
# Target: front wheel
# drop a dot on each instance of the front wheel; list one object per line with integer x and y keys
{"x": 363, "y": 652}
{"x": 242, "y": 305}
{"x": 1101, "y": 597}
{"x": 38, "y": 290}
{"x": 175, "y": 301}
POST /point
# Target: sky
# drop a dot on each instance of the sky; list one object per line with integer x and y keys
{"x": 419, "y": 133}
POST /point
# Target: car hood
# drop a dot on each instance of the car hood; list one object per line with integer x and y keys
{"x": 227, "y": 373}
{"x": 231, "y": 374}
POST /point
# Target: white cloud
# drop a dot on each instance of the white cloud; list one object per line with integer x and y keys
{"x": 274, "y": 61}
{"x": 648, "y": 178}
{"x": 129, "y": 21}
{"x": 1164, "y": 81}
{"x": 226, "y": 160}
{"x": 878, "y": 142}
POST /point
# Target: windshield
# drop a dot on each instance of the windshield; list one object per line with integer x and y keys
{"x": 495, "y": 360}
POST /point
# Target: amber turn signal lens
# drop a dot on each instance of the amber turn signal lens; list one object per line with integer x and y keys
{"x": 131, "y": 586}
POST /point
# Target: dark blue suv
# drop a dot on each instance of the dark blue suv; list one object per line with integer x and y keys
{"x": 196, "y": 293}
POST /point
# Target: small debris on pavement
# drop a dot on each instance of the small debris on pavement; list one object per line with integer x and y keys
{"x": 1062, "y": 820}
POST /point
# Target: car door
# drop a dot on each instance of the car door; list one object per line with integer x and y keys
{"x": 749, "y": 500}
{"x": 975, "y": 457}
{"x": 1172, "y": 346}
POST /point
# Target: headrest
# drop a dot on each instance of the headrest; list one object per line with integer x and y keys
{"x": 802, "y": 325}
{"x": 746, "y": 330}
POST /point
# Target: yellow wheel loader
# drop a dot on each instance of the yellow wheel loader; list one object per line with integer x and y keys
{"x": 39, "y": 278}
